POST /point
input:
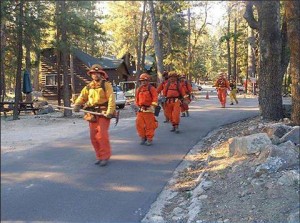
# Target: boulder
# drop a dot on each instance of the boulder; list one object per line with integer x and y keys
{"x": 248, "y": 144}
{"x": 293, "y": 135}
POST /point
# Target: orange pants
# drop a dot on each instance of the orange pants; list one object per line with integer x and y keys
{"x": 173, "y": 112}
{"x": 100, "y": 138}
{"x": 222, "y": 94}
{"x": 164, "y": 108}
{"x": 146, "y": 125}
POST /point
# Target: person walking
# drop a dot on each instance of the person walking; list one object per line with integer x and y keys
{"x": 222, "y": 86}
{"x": 232, "y": 94}
{"x": 187, "y": 87}
{"x": 162, "y": 97}
{"x": 174, "y": 93}
{"x": 146, "y": 99}
{"x": 98, "y": 96}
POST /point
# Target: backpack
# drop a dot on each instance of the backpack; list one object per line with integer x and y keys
{"x": 221, "y": 82}
{"x": 168, "y": 85}
{"x": 149, "y": 87}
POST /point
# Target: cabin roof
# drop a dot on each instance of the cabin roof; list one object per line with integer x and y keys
{"x": 106, "y": 62}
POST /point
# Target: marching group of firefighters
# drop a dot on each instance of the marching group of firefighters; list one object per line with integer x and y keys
{"x": 173, "y": 94}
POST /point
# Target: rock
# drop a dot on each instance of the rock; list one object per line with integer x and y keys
{"x": 287, "y": 152}
{"x": 271, "y": 165}
{"x": 277, "y": 130}
{"x": 293, "y": 135}
{"x": 248, "y": 144}
{"x": 205, "y": 185}
{"x": 294, "y": 217}
{"x": 289, "y": 178}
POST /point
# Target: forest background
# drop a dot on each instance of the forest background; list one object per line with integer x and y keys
{"x": 256, "y": 40}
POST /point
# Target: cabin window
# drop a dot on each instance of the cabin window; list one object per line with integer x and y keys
{"x": 51, "y": 79}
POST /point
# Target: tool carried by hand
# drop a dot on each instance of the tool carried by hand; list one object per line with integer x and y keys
{"x": 116, "y": 114}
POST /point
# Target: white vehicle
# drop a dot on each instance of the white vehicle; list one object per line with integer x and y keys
{"x": 129, "y": 88}
{"x": 120, "y": 97}
{"x": 194, "y": 87}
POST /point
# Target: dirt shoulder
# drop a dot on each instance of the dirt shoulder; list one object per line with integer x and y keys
{"x": 229, "y": 190}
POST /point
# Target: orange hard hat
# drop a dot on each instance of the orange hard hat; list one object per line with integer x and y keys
{"x": 173, "y": 74}
{"x": 96, "y": 68}
{"x": 144, "y": 76}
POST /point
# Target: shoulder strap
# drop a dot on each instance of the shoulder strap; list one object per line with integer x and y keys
{"x": 103, "y": 85}
{"x": 168, "y": 85}
{"x": 149, "y": 89}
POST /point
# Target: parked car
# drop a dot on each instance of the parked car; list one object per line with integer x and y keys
{"x": 194, "y": 86}
{"x": 240, "y": 88}
{"x": 120, "y": 97}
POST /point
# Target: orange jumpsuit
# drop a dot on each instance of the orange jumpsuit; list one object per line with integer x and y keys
{"x": 146, "y": 99}
{"x": 187, "y": 87}
{"x": 222, "y": 85}
{"x": 173, "y": 91}
{"x": 93, "y": 96}
{"x": 159, "y": 90}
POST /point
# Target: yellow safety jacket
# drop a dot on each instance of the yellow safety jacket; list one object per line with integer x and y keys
{"x": 94, "y": 95}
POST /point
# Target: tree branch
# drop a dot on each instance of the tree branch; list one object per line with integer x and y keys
{"x": 248, "y": 15}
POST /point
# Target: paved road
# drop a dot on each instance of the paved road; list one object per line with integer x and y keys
{"x": 60, "y": 183}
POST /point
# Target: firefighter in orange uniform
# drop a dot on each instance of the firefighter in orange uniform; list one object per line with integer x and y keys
{"x": 174, "y": 93}
{"x": 187, "y": 87}
{"x": 146, "y": 99}
{"x": 98, "y": 96}
{"x": 159, "y": 91}
{"x": 222, "y": 85}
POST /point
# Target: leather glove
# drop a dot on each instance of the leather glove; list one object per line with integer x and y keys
{"x": 109, "y": 116}
{"x": 152, "y": 108}
{"x": 76, "y": 108}
{"x": 185, "y": 101}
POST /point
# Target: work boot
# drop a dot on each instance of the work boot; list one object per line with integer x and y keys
{"x": 143, "y": 140}
{"x": 231, "y": 103}
{"x": 176, "y": 129}
{"x": 166, "y": 121}
{"x": 97, "y": 162}
{"x": 187, "y": 113}
{"x": 183, "y": 114}
{"x": 103, "y": 162}
{"x": 148, "y": 143}
{"x": 173, "y": 129}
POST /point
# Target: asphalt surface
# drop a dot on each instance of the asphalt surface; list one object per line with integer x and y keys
{"x": 60, "y": 183}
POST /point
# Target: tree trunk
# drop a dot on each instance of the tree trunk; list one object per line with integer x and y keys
{"x": 37, "y": 71}
{"x": 292, "y": 9}
{"x": 72, "y": 75}
{"x": 158, "y": 51}
{"x": 228, "y": 46}
{"x": 270, "y": 44}
{"x": 234, "y": 75}
{"x": 58, "y": 51}
{"x": 66, "y": 82}
{"x": 2, "y": 65}
{"x": 189, "y": 60}
{"x": 270, "y": 79}
{"x": 18, "y": 95}
{"x": 140, "y": 42}
{"x": 144, "y": 49}
{"x": 251, "y": 53}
